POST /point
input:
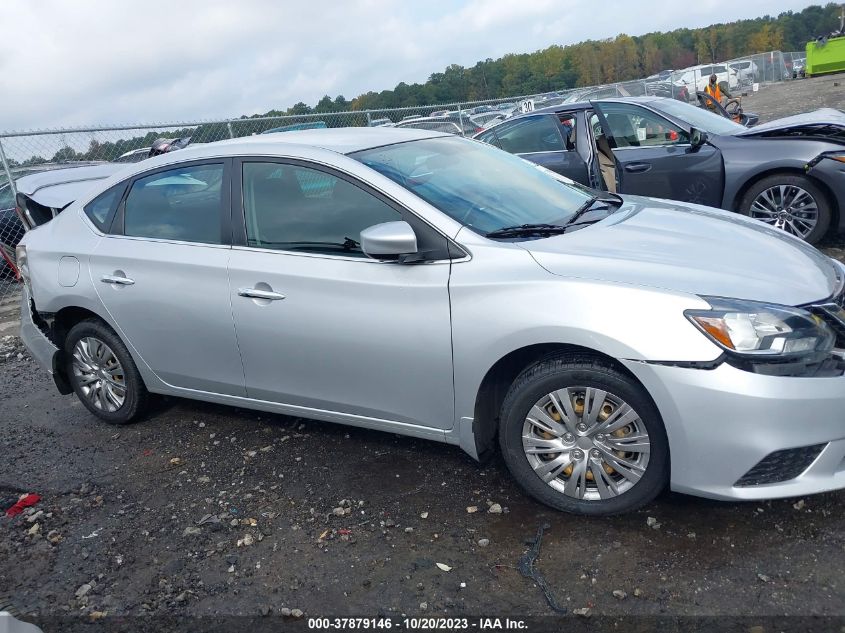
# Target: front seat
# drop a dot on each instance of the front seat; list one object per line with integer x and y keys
{"x": 607, "y": 164}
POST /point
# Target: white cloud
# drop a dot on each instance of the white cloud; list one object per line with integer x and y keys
{"x": 101, "y": 61}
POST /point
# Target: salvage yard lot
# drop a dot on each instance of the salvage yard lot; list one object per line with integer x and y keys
{"x": 208, "y": 510}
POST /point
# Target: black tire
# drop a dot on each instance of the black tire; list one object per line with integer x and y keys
{"x": 137, "y": 396}
{"x": 825, "y": 210}
{"x": 557, "y": 372}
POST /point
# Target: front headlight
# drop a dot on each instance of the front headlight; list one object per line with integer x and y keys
{"x": 760, "y": 330}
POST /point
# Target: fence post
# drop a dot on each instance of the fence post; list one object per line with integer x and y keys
{"x": 229, "y": 126}
{"x": 461, "y": 118}
{"x": 8, "y": 171}
{"x": 369, "y": 119}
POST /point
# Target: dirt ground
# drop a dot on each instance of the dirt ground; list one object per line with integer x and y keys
{"x": 211, "y": 512}
{"x": 803, "y": 95}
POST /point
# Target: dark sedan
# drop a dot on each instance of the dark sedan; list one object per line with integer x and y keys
{"x": 787, "y": 173}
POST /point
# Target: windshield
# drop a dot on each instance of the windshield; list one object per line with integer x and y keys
{"x": 478, "y": 185}
{"x": 699, "y": 118}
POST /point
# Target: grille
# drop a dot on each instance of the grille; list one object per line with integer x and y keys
{"x": 780, "y": 466}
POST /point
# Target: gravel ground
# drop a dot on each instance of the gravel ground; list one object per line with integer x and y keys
{"x": 803, "y": 95}
{"x": 207, "y": 510}
{"x": 204, "y": 510}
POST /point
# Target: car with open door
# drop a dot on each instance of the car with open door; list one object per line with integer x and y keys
{"x": 786, "y": 173}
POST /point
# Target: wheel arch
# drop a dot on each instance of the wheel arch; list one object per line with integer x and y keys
{"x": 501, "y": 375}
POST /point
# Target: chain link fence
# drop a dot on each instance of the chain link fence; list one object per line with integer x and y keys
{"x": 29, "y": 152}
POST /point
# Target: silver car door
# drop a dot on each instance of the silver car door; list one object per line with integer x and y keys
{"x": 319, "y": 324}
{"x": 161, "y": 274}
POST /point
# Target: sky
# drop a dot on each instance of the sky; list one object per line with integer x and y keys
{"x": 97, "y": 62}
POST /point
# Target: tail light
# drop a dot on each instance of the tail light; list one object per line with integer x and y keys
{"x": 23, "y": 266}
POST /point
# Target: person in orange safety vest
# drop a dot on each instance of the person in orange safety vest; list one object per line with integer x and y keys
{"x": 713, "y": 90}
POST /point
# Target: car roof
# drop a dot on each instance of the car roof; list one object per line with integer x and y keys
{"x": 338, "y": 140}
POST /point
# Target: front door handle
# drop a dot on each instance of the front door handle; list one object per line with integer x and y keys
{"x": 115, "y": 279}
{"x": 637, "y": 167}
{"x": 256, "y": 293}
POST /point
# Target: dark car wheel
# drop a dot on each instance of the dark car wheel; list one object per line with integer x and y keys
{"x": 103, "y": 374}
{"x": 789, "y": 202}
{"x": 581, "y": 436}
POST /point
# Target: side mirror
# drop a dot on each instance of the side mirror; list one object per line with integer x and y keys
{"x": 389, "y": 240}
{"x": 697, "y": 138}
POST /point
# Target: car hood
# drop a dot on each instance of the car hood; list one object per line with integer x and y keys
{"x": 691, "y": 249}
{"x": 823, "y": 123}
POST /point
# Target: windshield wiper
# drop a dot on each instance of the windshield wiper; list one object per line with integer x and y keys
{"x": 522, "y": 230}
{"x": 594, "y": 203}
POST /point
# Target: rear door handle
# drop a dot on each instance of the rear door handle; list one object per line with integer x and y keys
{"x": 255, "y": 293}
{"x": 637, "y": 167}
{"x": 120, "y": 281}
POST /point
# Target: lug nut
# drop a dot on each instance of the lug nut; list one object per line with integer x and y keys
{"x": 568, "y": 437}
{"x": 582, "y": 427}
{"x": 600, "y": 437}
{"x": 577, "y": 455}
{"x": 595, "y": 453}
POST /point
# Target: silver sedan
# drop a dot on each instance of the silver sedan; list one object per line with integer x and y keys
{"x": 434, "y": 286}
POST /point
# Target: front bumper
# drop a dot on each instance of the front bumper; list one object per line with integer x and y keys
{"x": 722, "y": 422}
{"x": 832, "y": 174}
{"x": 40, "y": 347}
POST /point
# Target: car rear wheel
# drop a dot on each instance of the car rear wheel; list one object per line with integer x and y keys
{"x": 103, "y": 374}
{"x": 583, "y": 437}
{"x": 791, "y": 203}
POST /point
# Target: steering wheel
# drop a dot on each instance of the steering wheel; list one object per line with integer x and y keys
{"x": 734, "y": 108}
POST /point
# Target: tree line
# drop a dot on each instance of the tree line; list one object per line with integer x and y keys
{"x": 592, "y": 62}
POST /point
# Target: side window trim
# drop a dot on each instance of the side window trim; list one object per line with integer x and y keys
{"x": 451, "y": 249}
{"x": 117, "y": 227}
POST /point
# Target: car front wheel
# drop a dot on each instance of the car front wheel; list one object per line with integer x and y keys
{"x": 789, "y": 202}
{"x": 583, "y": 437}
{"x": 103, "y": 374}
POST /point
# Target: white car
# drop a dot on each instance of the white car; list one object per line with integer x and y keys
{"x": 699, "y": 76}
{"x": 746, "y": 70}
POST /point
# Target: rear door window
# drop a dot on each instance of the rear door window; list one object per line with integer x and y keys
{"x": 181, "y": 204}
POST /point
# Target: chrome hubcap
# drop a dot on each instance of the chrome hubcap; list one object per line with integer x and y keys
{"x": 787, "y": 207}
{"x": 586, "y": 443}
{"x": 99, "y": 374}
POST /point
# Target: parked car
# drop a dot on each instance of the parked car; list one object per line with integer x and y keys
{"x": 667, "y": 89}
{"x": 696, "y": 77}
{"x": 133, "y": 155}
{"x": 450, "y": 124}
{"x": 746, "y": 71}
{"x": 434, "y": 286}
{"x": 786, "y": 173}
{"x": 11, "y": 229}
{"x": 487, "y": 119}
